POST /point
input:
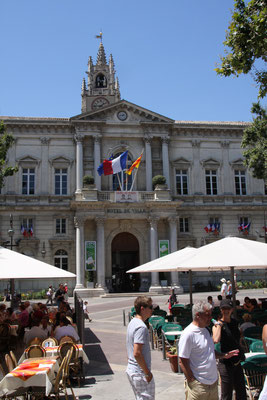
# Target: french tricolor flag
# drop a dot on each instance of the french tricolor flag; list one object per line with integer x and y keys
{"x": 111, "y": 167}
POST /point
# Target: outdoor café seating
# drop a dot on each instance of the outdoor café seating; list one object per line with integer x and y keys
{"x": 254, "y": 368}
{"x": 155, "y": 323}
{"x": 254, "y": 332}
{"x": 35, "y": 351}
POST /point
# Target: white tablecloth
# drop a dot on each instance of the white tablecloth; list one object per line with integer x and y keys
{"x": 40, "y": 378}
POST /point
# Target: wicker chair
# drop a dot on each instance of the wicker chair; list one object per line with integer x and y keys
{"x": 74, "y": 364}
{"x": 67, "y": 339}
{"x": 35, "y": 351}
{"x": 50, "y": 342}
{"x": 9, "y": 363}
{"x": 13, "y": 357}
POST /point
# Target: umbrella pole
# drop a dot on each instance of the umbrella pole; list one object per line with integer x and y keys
{"x": 190, "y": 287}
{"x": 232, "y": 270}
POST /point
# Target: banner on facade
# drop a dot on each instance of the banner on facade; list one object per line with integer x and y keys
{"x": 163, "y": 248}
{"x": 124, "y": 197}
{"x": 90, "y": 256}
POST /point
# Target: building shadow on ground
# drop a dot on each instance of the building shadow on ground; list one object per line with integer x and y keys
{"x": 98, "y": 363}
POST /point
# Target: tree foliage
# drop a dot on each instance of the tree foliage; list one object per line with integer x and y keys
{"x": 255, "y": 142}
{"x": 247, "y": 40}
{"x": 6, "y": 141}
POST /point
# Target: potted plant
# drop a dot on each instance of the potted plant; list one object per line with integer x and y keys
{"x": 88, "y": 181}
{"x": 173, "y": 358}
{"x": 158, "y": 181}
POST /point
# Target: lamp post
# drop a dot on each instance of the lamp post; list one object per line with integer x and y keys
{"x": 11, "y": 233}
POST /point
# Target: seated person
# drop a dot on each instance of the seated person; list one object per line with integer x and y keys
{"x": 247, "y": 322}
{"x": 65, "y": 329}
{"x": 23, "y": 316}
{"x": 255, "y": 304}
{"x": 35, "y": 331}
{"x": 45, "y": 325}
{"x": 237, "y": 304}
{"x": 247, "y": 304}
{"x": 11, "y": 315}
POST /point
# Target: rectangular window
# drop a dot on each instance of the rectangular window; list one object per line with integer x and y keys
{"x": 61, "y": 226}
{"x": 28, "y": 178}
{"x": 61, "y": 180}
{"x": 27, "y": 227}
{"x": 211, "y": 182}
{"x": 181, "y": 182}
{"x": 184, "y": 224}
{"x": 240, "y": 182}
{"x": 243, "y": 221}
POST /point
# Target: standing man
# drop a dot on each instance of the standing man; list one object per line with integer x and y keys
{"x": 223, "y": 288}
{"x": 197, "y": 356}
{"x": 138, "y": 349}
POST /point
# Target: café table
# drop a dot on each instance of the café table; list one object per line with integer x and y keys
{"x": 53, "y": 351}
{"x": 31, "y": 373}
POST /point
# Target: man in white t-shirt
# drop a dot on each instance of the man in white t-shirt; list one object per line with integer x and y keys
{"x": 197, "y": 356}
{"x": 223, "y": 288}
{"x": 138, "y": 350}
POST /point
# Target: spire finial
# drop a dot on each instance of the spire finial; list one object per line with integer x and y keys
{"x": 99, "y": 36}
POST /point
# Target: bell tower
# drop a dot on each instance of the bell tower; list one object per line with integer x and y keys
{"x": 102, "y": 86}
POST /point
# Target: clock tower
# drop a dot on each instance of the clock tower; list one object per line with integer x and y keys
{"x": 102, "y": 87}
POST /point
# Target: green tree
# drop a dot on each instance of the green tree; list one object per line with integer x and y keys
{"x": 255, "y": 142}
{"x": 6, "y": 141}
{"x": 247, "y": 40}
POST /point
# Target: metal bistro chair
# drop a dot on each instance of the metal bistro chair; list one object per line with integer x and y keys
{"x": 35, "y": 351}
{"x": 254, "y": 369}
{"x": 9, "y": 363}
{"x": 256, "y": 347}
{"x": 170, "y": 340}
{"x": 67, "y": 339}
{"x": 155, "y": 323}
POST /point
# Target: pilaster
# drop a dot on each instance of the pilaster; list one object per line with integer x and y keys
{"x": 79, "y": 226}
{"x": 79, "y": 162}
{"x": 97, "y": 142}
{"x": 148, "y": 140}
{"x": 165, "y": 159}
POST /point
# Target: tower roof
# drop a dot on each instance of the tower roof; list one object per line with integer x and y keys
{"x": 101, "y": 56}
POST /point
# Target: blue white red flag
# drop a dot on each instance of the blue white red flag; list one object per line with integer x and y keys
{"x": 111, "y": 167}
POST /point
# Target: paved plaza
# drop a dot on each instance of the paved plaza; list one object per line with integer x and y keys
{"x": 105, "y": 347}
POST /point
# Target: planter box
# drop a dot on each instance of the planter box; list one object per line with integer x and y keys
{"x": 173, "y": 358}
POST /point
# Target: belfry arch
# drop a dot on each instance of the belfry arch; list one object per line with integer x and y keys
{"x": 124, "y": 256}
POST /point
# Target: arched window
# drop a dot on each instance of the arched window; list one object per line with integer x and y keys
{"x": 61, "y": 259}
{"x": 101, "y": 81}
{"x": 122, "y": 180}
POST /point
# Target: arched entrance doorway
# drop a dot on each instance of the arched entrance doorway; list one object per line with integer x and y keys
{"x": 125, "y": 255}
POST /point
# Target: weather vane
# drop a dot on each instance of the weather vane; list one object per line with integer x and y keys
{"x": 99, "y": 36}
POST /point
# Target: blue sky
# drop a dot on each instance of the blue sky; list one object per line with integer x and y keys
{"x": 165, "y": 53}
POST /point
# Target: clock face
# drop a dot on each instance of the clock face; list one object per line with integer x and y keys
{"x": 100, "y": 102}
{"x": 122, "y": 115}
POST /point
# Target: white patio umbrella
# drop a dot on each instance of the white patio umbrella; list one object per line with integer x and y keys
{"x": 229, "y": 253}
{"x": 168, "y": 263}
{"x": 15, "y": 265}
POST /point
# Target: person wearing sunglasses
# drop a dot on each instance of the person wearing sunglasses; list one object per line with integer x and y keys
{"x": 138, "y": 350}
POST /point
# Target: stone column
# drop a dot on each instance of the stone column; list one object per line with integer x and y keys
{"x": 197, "y": 182}
{"x": 227, "y": 182}
{"x": 79, "y": 162}
{"x": 148, "y": 140}
{"x": 11, "y": 183}
{"x": 100, "y": 252}
{"x": 165, "y": 159}
{"x": 173, "y": 247}
{"x": 44, "y": 188}
{"x": 97, "y": 140}
{"x": 79, "y": 225}
{"x": 153, "y": 221}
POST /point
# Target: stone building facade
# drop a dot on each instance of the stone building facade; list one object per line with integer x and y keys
{"x": 207, "y": 186}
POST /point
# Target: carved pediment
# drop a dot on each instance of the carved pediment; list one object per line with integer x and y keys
{"x": 60, "y": 160}
{"x": 238, "y": 163}
{"x": 210, "y": 162}
{"x": 28, "y": 160}
{"x": 181, "y": 161}
{"x": 133, "y": 112}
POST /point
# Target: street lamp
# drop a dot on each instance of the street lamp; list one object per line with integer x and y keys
{"x": 11, "y": 231}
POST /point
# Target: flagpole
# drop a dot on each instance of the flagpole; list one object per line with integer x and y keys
{"x": 136, "y": 171}
{"x": 126, "y": 174}
{"x": 119, "y": 181}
